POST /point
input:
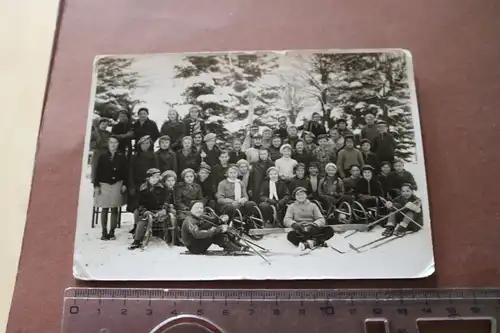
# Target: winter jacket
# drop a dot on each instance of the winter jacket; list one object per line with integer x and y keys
{"x": 257, "y": 175}
{"x": 212, "y": 157}
{"x": 401, "y": 201}
{"x": 225, "y": 192}
{"x": 397, "y": 179}
{"x": 350, "y": 185}
{"x": 208, "y": 188}
{"x": 274, "y": 153}
{"x": 370, "y": 133}
{"x": 185, "y": 194}
{"x": 175, "y": 130}
{"x": 384, "y": 182}
{"x": 305, "y": 213}
{"x": 111, "y": 170}
{"x": 281, "y": 191}
{"x": 346, "y": 158}
{"x": 166, "y": 160}
{"x": 305, "y": 158}
{"x": 235, "y": 156}
{"x": 331, "y": 186}
{"x": 298, "y": 182}
{"x": 324, "y": 155}
{"x": 149, "y": 127}
{"x": 313, "y": 127}
{"x": 285, "y": 166}
{"x": 282, "y": 132}
{"x": 99, "y": 139}
{"x": 370, "y": 188}
{"x": 125, "y": 133}
{"x": 139, "y": 165}
{"x": 313, "y": 182}
{"x": 253, "y": 155}
{"x": 152, "y": 198}
{"x": 371, "y": 159}
{"x": 195, "y": 230}
{"x": 190, "y": 126}
{"x": 191, "y": 160}
{"x": 219, "y": 173}
{"x": 385, "y": 147}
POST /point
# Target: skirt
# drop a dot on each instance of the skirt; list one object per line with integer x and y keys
{"x": 111, "y": 196}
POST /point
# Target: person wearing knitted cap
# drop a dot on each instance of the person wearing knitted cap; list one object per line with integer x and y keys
{"x": 331, "y": 188}
{"x": 232, "y": 194}
{"x": 187, "y": 158}
{"x": 273, "y": 192}
{"x": 267, "y": 137}
{"x": 165, "y": 157}
{"x": 369, "y": 157}
{"x": 309, "y": 139}
{"x": 281, "y": 130}
{"x": 307, "y": 222}
{"x": 300, "y": 179}
{"x": 236, "y": 154}
{"x": 348, "y": 156}
{"x": 199, "y": 232}
{"x": 145, "y": 126}
{"x": 186, "y": 193}
{"x": 384, "y": 144}
{"x": 258, "y": 173}
{"x": 174, "y": 128}
{"x": 210, "y": 152}
{"x": 219, "y": 171}
{"x": 193, "y": 122}
{"x": 152, "y": 205}
{"x": 124, "y": 132}
{"x": 293, "y": 135}
{"x": 409, "y": 218}
{"x": 286, "y": 163}
{"x": 324, "y": 154}
{"x": 398, "y": 177}
{"x": 207, "y": 184}
{"x": 244, "y": 171}
{"x": 368, "y": 191}
{"x": 351, "y": 182}
{"x": 383, "y": 178}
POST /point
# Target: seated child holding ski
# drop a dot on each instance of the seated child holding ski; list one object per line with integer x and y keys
{"x": 409, "y": 215}
{"x": 308, "y": 224}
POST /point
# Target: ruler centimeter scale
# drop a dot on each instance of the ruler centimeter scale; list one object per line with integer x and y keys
{"x": 108, "y": 310}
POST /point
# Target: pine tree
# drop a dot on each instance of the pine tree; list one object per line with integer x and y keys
{"x": 115, "y": 85}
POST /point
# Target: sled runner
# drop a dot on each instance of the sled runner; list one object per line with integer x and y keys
{"x": 341, "y": 213}
{"x": 244, "y": 223}
{"x": 165, "y": 229}
{"x": 221, "y": 253}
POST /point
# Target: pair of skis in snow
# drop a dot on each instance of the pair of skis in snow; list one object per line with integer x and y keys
{"x": 324, "y": 245}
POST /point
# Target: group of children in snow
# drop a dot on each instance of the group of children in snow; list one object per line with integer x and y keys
{"x": 258, "y": 170}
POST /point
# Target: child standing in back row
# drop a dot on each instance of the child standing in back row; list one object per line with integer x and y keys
{"x": 348, "y": 156}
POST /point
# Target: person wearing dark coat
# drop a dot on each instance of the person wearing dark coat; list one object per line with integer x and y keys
{"x": 275, "y": 149}
{"x": 383, "y": 178}
{"x": 281, "y": 131}
{"x": 398, "y": 177}
{"x": 384, "y": 145}
{"x": 145, "y": 126}
{"x": 186, "y": 193}
{"x": 207, "y": 184}
{"x": 174, "y": 128}
{"x": 301, "y": 155}
{"x": 300, "y": 179}
{"x": 292, "y": 137}
{"x": 370, "y": 131}
{"x": 142, "y": 160}
{"x": 193, "y": 123}
{"x": 369, "y": 157}
{"x": 98, "y": 143}
{"x": 368, "y": 189}
{"x": 314, "y": 179}
{"x": 220, "y": 169}
{"x": 409, "y": 218}
{"x": 165, "y": 157}
{"x": 124, "y": 132}
{"x": 187, "y": 158}
{"x": 331, "y": 188}
{"x": 110, "y": 183}
{"x": 153, "y": 206}
{"x": 342, "y": 128}
{"x": 273, "y": 192}
{"x": 314, "y": 126}
{"x": 351, "y": 182}
{"x": 258, "y": 174}
{"x": 236, "y": 154}
{"x": 210, "y": 152}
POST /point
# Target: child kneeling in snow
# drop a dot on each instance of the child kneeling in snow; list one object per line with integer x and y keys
{"x": 199, "y": 233}
{"x": 307, "y": 222}
{"x": 409, "y": 218}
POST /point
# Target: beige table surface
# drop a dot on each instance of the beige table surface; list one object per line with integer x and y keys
{"x": 27, "y": 29}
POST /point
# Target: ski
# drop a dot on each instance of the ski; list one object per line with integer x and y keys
{"x": 308, "y": 251}
{"x": 337, "y": 250}
{"x": 220, "y": 253}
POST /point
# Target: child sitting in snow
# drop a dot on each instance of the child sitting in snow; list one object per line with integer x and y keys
{"x": 409, "y": 218}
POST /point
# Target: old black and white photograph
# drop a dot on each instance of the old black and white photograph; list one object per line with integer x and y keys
{"x": 254, "y": 165}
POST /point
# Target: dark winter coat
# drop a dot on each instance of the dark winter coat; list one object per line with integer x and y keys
{"x": 281, "y": 190}
{"x": 385, "y": 147}
{"x": 212, "y": 157}
{"x": 313, "y": 127}
{"x": 111, "y": 170}
{"x": 384, "y": 181}
{"x": 257, "y": 176}
{"x": 99, "y": 139}
{"x": 208, "y": 188}
{"x": 149, "y": 127}
{"x": 310, "y": 189}
{"x": 185, "y": 194}
{"x": 305, "y": 158}
{"x": 274, "y": 153}
{"x": 331, "y": 186}
{"x": 166, "y": 160}
{"x": 369, "y": 188}
{"x": 219, "y": 173}
{"x": 400, "y": 202}
{"x": 189, "y": 129}
{"x": 175, "y": 130}
{"x": 370, "y": 133}
{"x": 191, "y": 160}
{"x": 152, "y": 198}
{"x": 350, "y": 185}
{"x": 397, "y": 179}
{"x": 125, "y": 134}
{"x": 197, "y": 235}
{"x": 282, "y": 132}
{"x": 371, "y": 159}
{"x": 298, "y": 182}
{"x": 141, "y": 162}
{"x": 235, "y": 156}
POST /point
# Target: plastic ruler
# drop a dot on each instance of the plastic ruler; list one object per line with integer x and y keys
{"x": 278, "y": 310}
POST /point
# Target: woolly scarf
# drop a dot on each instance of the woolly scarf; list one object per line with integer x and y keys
{"x": 237, "y": 188}
{"x": 273, "y": 193}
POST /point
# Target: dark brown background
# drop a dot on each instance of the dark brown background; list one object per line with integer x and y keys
{"x": 456, "y": 49}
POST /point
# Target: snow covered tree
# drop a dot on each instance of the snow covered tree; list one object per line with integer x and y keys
{"x": 220, "y": 84}
{"x": 115, "y": 85}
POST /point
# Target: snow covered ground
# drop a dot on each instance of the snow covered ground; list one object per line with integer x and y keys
{"x": 409, "y": 257}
